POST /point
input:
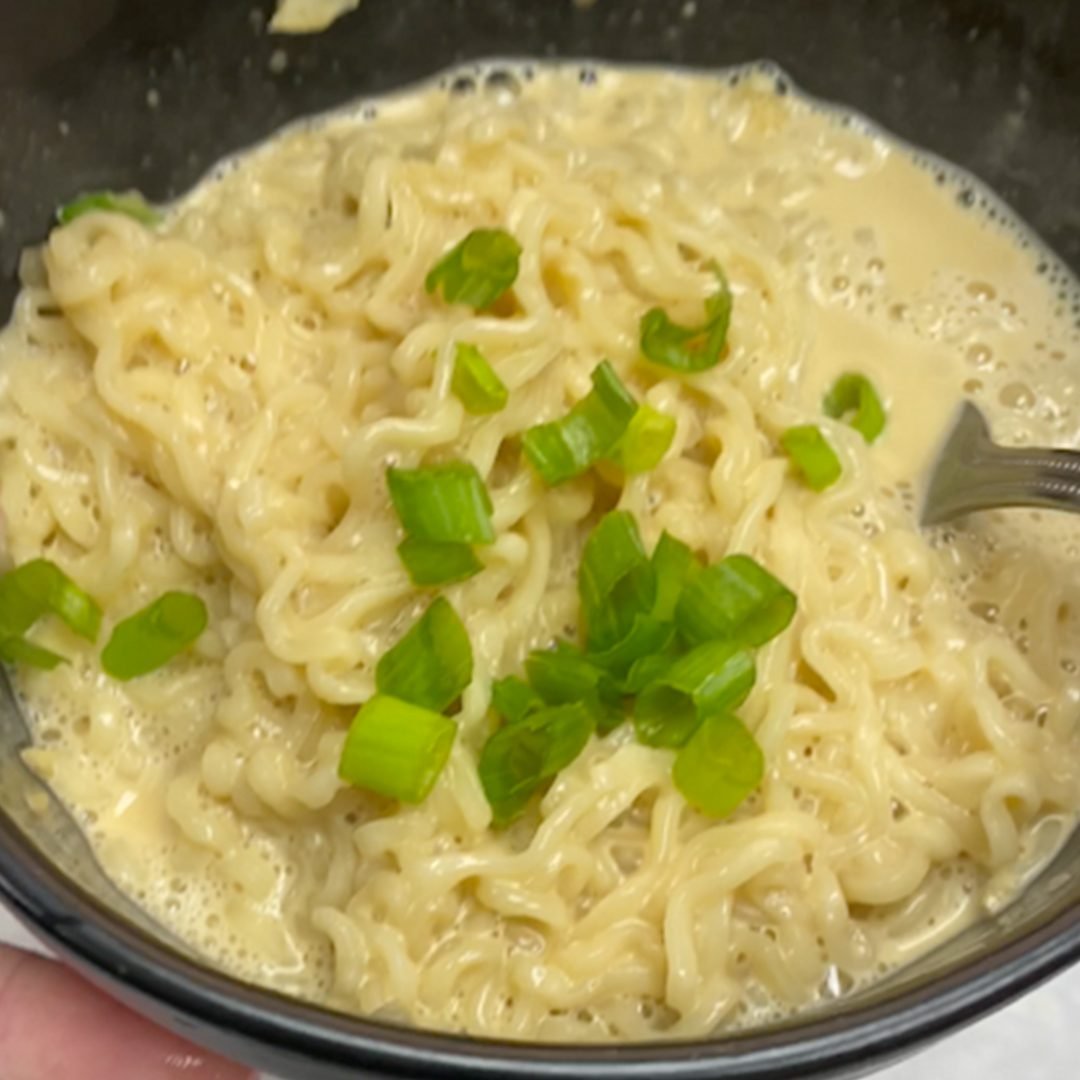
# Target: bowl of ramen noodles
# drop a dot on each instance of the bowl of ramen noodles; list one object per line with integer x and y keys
{"x": 464, "y": 608}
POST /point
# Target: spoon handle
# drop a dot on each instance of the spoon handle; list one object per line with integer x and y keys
{"x": 974, "y": 473}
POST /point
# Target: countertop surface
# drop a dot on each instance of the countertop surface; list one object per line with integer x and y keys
{"x": 1036, "y": 1038}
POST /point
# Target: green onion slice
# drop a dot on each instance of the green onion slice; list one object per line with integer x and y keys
{"x": 647, "y": 438}
{"x": 735, "y": 600}
{"x": 627, "y": 602}
{"x": 715, "y": 677}
{"x": 478, "y": 271}
{"x": 432, "y": 664}
{"x": 396, "y": 749}
{"x": 564, "y": 675}
{"x": 673, "y": 565}
{"x": 19, "y": 651}
{"x": 563, "y": 449}
{"x": 150, "y": 638}
{"x": 38, "y": 588}
{"x": 615, "y": 580}
{"x": 648, "y": 669}
{"x": 513, "y": 699}
{"x": 812, "y": 455}
{"x": 647, "y": 636}
{"x": 132, "y": 204}
{"x": 444, "y": 504}
{"x": 475, "y": 383}
{"x": 719, "y": 767}
{"x": 854, "y": 399}
{"x": 429, "y": 564}
{"x": 689, "y": 349}
{"x": 521, "y": 757}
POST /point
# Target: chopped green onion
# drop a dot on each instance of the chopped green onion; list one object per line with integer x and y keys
{"x": 478, "y": 271}
{"x": 812, "y": 455}
{"x": 648, "y": 669}
{"x": 396, "y": 749}
{"x": 564, "y": 675}
{"x": 475, "y": 383}
{"x": 689, "y": 349}
{"x": 673, "y": 565}
{"x": 19, "y": 651}
{"x": 606, "y": 717}
{"x": 713, "y": 678}
{"x": 628, "y": 601}
{"x": 719, "y": 767}
{"x": 647, "y": 636}
{"x": 563, "y": 449}
{"x": 19, "y": 608}
{"x": 133, "y": 205}
{"x": 430, "y": 564}
{"x": 735, "y": 600}
{"x": 39, "y": 587}
{"x": 521, "y": 757}
{"x": 445, "y": 504}
{"x": 615, "y": 581}
{"x": 854, "y": 399}
{"x": 646, "y": 440}
{"x": 432, "y": 664}
{"x": 513, "y": 699}
{"x": 150, "y": 638}
{"x": 32, "y": 590}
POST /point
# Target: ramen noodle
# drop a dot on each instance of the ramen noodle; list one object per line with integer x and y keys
{"x": 210, "y": 405}
{"x": 309, "y": 16}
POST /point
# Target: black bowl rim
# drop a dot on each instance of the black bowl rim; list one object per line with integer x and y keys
{"x": 170, "y": 985}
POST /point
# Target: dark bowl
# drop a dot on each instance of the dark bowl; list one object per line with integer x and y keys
{"x": 993, "y": 85}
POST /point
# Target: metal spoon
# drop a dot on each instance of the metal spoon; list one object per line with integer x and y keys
{"x": 973, "y": 473}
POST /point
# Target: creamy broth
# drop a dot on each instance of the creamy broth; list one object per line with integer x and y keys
{"x": 210, "y": 406}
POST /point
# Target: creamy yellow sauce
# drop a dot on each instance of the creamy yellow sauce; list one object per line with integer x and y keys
{"x": 919, "y": 719}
